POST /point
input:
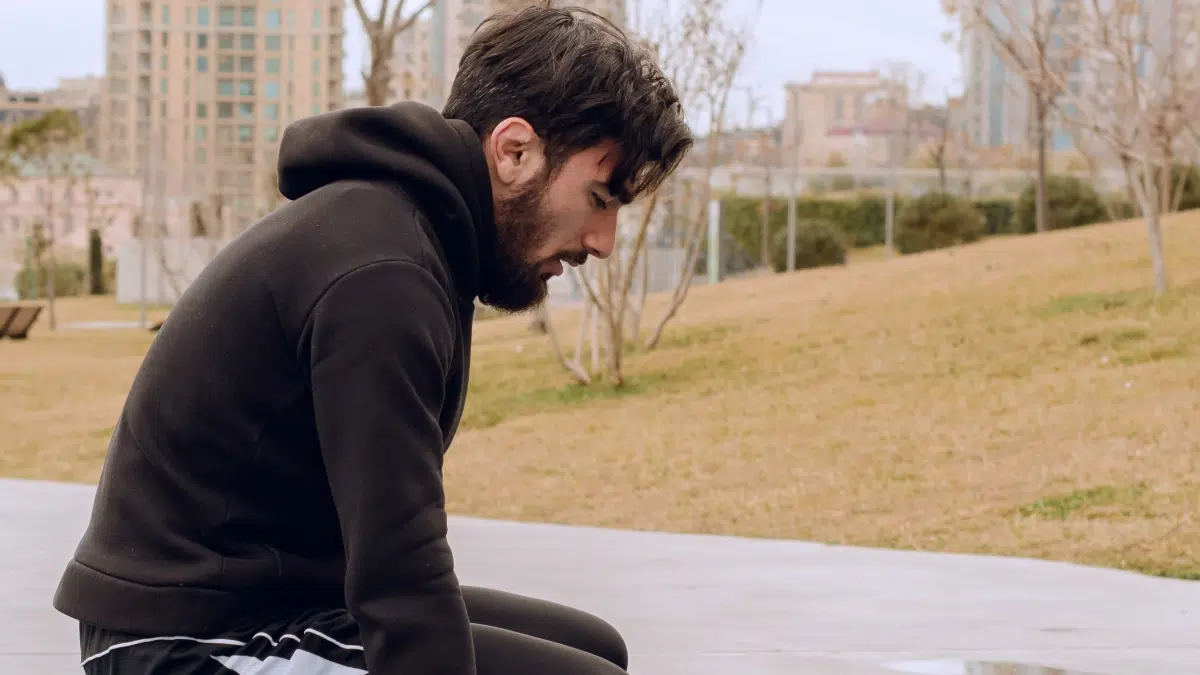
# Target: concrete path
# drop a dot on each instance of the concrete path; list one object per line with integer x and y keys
{"x": 693, "y": 605}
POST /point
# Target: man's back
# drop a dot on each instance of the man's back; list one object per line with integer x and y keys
{"x": 215, "y": 505}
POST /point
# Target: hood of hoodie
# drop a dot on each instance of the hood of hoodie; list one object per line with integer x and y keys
{"x": 437, "y": 162}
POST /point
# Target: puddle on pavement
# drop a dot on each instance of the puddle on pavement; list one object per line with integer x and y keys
{"x": 958, "y": 667}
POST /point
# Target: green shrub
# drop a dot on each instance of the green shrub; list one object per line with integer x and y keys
{"x": 860, "y": 218}
{"x": 68, "y": 280}
{"x": 819, "y": 243}
{"x": 998, "y": 214}
{"x": 1070, "y": 202}
{"x": 937, "y": 220}
{"x": 96, "y": 263}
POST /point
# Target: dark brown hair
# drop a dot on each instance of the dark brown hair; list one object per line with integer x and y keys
{"x": 578, "y": 80}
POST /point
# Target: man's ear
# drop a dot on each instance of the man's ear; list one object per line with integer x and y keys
{"x": 517, "y": 152}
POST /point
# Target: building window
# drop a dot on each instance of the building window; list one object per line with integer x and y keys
{"x": 271, "y": 134}
{"x": 247, "y": 42}
{"x": 201, "y": 111}
{"x": 162, "y": 85}
{"x": 226, "y": 16}
{"x": 201, "y": 40}
{"x": 316, "y": 42}
{"x": 316, "y": 18}
{"x": 201, "y": 133}
{"x": 201, "y": 155}
{"x": 224, "y": 87}
{"x": 166, "y": 15}
{"x": 271, "y": 111}
{"x": 248, "y": 17}
{"x": 246, "y": 88}
{"x": 272, "y": 43}
{"x": 202, "y": 16}
{"x": 201, "y": 64}
{"x": 225, "y": 41}
{"x": 271, "y": 89}
{"x": 225, "y": 64}
{"x": 246, "y": 64}
{"x": 162, "y": 62}
{"x": 246, "y": 110}
{"x": 245, "y": 132}
{"x": 316, "y": 66}
{"x": 272, "y": 65}
{"x": 224, "y": 111}
{"x": 273, "y": 18}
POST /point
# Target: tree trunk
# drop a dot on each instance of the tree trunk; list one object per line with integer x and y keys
{"x": 1039, "y": 135}
{"x": 51, "y": 279}
{"x": 1166, "y": 181}
{"x": 764, "y": 248}
{"x": 378, "y": 80}
{"x": 1154, "y": 232}
{"x": 1149, "y": 198}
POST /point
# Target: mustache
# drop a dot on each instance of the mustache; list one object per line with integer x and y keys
{"x": 575, "y": 258}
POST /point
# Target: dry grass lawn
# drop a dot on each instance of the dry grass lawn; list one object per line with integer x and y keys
{"x": 1022, "y": 396}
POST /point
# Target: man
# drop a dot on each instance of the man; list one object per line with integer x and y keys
{"x": 272, "y": 498}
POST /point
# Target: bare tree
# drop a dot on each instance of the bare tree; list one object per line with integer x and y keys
{"x": 1139, "y": 97}
{"x": 99, "y": 212}
{"x": 760, "y": 135}
{"x": 939, "y": 147}
{"x": 904, "y": 85}
{"x": 45, "y": 144}
{"x": 701, "y": 51}
{"x": 381, "y": 30}
{"x": 1029, "y": 37}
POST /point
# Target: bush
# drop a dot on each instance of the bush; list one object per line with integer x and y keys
{"x": 1070, "y": 202}
{"x": 861, "y": 219}
{"x": 68, "y": 280}
{"x": 937, "y": 220}
{"x": 997, "y": 213}
{"x": 819, "y": 243}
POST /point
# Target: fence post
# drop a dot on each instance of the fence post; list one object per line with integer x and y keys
{"x": 714, "y": 241}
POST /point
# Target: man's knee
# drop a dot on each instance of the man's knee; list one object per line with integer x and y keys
{"x": 605, "y": 641}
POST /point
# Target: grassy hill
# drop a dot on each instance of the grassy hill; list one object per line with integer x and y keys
{"x": 1022, "y": 396}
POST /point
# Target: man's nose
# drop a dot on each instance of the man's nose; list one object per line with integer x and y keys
{"x": 601, "y": 238}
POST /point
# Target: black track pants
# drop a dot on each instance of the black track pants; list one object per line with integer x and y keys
{"x": 513, "y": 634}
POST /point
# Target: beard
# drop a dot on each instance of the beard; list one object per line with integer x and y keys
{"x": 522, "y": 227}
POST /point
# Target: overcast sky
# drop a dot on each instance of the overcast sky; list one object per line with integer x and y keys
{"x": 42, "y": 40}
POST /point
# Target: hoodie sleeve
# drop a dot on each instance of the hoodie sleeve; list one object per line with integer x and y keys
{"x": 380, "y": 344}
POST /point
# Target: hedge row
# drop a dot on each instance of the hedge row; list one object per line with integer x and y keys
{"x": 1072, "y": 203}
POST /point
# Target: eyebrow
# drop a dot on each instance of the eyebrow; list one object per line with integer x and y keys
{"x": 612, "y": 196}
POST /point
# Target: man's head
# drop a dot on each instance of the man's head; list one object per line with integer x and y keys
{"x": 576, "y": 121}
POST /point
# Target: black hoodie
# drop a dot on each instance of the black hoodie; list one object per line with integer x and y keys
{"x": 281, "y": 446}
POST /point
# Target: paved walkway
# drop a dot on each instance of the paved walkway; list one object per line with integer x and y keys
{"x": 693, "y": 605}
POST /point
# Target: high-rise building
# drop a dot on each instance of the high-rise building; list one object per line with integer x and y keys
{"x": 199, "y": 91}
{"x": 427, "y": 55}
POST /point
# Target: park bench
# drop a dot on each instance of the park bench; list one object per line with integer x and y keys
{"x": 16, "y": 320}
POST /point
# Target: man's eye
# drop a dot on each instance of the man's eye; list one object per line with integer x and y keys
{"x": 599, "y": 202}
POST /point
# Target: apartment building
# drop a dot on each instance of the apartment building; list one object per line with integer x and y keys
{"x": 427, "y": 56}
{"x": 79, "y": 95}
{"x": 845, "y": 117}
{"x": 198, "y": 93}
